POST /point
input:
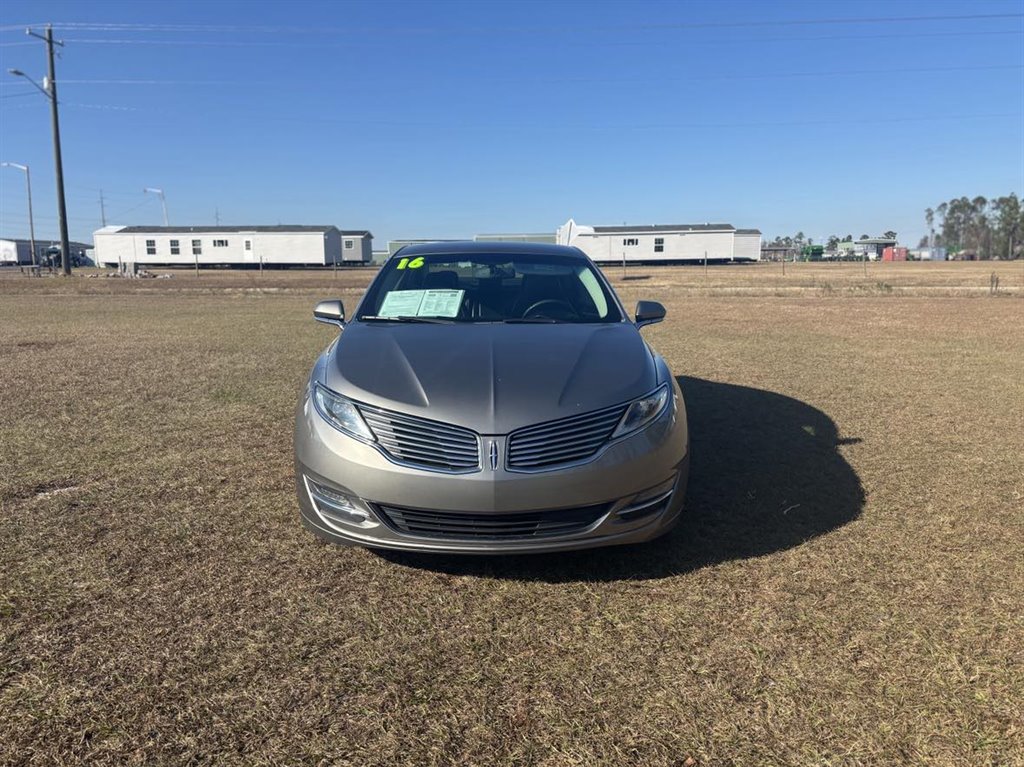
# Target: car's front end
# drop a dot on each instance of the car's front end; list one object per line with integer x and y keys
{"x": 353, "y": 491}
{"x": 490, "y": 437}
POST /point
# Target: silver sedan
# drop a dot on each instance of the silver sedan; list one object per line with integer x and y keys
{"x": 490, "y": 398}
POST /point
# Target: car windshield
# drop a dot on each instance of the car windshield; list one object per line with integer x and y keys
{"x": 483, "y": 287}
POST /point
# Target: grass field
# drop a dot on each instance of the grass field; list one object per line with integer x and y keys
{"x": 847, "y": 586}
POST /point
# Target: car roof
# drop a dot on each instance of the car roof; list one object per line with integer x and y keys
{"x": 470, "y": 246}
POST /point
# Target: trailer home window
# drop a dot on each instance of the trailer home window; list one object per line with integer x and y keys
{"x": 175, "y": 248}
{"x": 248, "y": 244}
{"x": 349, "y": 244}
{"x": 630, "y": 241}
{"x": 197, "y": 247}
{"x": 220, "y": 243}
{"x": 659, "y": 244}
{"x": 150, "y": 247}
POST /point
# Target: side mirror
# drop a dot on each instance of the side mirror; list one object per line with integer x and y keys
{"x": 649, "y": 312}
{"x": 331, "y": 312}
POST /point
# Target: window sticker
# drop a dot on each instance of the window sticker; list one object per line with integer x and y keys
{"x": 401, "y": 303}
{"x": 441, "y": 303}
{"x": 421, "y": 303}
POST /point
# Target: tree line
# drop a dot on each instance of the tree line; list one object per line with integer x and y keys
{"x": 800, "y": 240}
{"x": 978, "y": 227}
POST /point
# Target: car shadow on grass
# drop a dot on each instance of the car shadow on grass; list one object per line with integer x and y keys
{"x": 765, "y": 476}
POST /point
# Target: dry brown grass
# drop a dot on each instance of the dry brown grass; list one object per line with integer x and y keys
{"x": 846, "y": 588}
{"x": 841, "y": 279}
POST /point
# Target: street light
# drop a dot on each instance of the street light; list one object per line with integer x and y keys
{"x": 31, "y": 223}
{"x": 163, "y": 200}
{"x": 40, "y": 88}
{"x": 49, "y": 89}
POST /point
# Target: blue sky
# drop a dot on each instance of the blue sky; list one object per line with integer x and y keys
{"x": 448, "y": 119}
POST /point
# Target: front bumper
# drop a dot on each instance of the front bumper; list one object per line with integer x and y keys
{"x": 639, "y": 484}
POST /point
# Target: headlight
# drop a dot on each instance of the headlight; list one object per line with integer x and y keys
{"x": 641, "y": 412}
{"x": 340, "y": 413}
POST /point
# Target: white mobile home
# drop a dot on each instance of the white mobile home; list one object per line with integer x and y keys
{"x": 281, "y": 245}
{"x": 671, "y": 243}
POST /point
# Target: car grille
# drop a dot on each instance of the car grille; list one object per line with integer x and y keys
{"x": 567, "y": 440}
{"x": 426, "y": 444}
{"x": 499, "y": 526}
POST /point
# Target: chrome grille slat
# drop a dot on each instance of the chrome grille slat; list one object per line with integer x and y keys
{"x": 429, "y": 427}
{"x": 542, "y": 429}
{"x": 562, "y": 459}
{"x": 425, "y": 431}
{"x": 433, "y": 456}
{"x": 395, "y": 417}
{"x": 423, "y": 457}
{"x": 428, "y": 433}
{"x": 384, "y": 433}
{"x": 420, "y": 446}
{"x": 555, "y": 460}
{"x": 570, "y": 434}
{"x": 441, "y": 459}
{"x": 491, "y": 526}
{"x": 567, "y": 444}
{"x": 423, "y": 443}
{"x": 469, "y": 453}
{"x": 549, "y": 445}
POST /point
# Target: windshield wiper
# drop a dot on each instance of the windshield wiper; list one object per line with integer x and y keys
{"x": 428, "y": 320}
{"x": 532, "y": 320}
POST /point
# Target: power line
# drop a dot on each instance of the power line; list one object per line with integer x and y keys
{"x": 701, "y": 77}
{"x": 133, "y": 208}
{"x": 202, "y": 43}
{"x": 616, "y": 43}
{"x": 698, "y": 77}
{"x": 806, "y": 38}
{"x": 775, "y": 75}
{"x": 502, "y": 125}
{"x": 276, "y": 29}
{"x": 113, "y": 107}
{"x": 165, "y": 82}
{"x": 5, "y": 215}
{"x": 106, "y": 192}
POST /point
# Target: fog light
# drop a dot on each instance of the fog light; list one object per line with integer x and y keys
{"x": 646, "y": 508}
{"x": 336, "y": 507}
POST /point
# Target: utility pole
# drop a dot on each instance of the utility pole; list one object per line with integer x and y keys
{"x": 49, "y": 89}
{"x": 103, "y": 211}
{"x": 216, "y": 215}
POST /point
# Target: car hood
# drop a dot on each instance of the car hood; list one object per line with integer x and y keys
{"x": 492, "y": 378}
